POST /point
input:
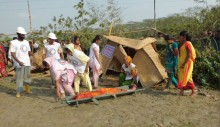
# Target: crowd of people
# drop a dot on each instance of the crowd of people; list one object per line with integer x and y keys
{"x": 70, "y": 70}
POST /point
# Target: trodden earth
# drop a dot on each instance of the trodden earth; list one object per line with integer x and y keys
{"x": 149, "y": 108}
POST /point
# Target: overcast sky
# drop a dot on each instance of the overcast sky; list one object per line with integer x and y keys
{"x": 14, "y": 13}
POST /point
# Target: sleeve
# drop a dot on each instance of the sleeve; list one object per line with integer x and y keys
{"x": 57, "y": 74}
{"x": 28, "y": 45}
{"x": 175, "y": 45}
{"x": 83, "y": 58}
{"x": 95, "y": 47}
{"x": 35, "y": 45}
{"x": 12, "y": 48}
{"x": 133, "y": 65}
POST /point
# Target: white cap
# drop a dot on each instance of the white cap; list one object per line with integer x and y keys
{"x": 20, "y": 30}
{"x": 52, "y": 36}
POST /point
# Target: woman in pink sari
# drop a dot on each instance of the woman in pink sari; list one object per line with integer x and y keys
{"x": 3, "y": 61}
{"x": 64, "y": 75}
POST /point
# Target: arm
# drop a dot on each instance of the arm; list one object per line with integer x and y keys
{"x": 87, "y": 66}
{"x": 97, "y": 56}
{"x": 61, "y": 55}
{"x": 16, "y": 59}
{"x": 176, "y": 52}
{"x": 60, "y": 50}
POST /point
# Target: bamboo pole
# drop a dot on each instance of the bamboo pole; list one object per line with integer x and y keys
{"x": 30, "y": 19}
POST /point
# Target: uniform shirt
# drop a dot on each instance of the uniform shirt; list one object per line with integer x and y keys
{"x": 61, "y": 66}
{"x": 79, "y": 60}
{"x": 127, "y": 71}
{"x": 53, "y": 50}
{"x": 21, "y": 49}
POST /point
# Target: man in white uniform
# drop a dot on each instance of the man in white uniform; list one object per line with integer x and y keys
{"x": 20, "y": 52}
{"x": 52, "y": 49}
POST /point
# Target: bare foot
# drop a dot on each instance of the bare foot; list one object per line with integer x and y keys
{"x": 193, "y": 94}
{"x": 182, "y": 92}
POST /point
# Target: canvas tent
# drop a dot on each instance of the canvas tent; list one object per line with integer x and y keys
{"x": 144, "y": 56}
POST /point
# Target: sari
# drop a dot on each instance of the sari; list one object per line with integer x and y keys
{"x": 3, "y": 61}
{"x": 185, "y": 73}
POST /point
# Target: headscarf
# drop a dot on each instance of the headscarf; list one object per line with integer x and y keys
{"x": 128, "y": 59}
{"x": 50, "y": 61}
{"x": 70, "y": 47}
{"x": 81, "y": 56}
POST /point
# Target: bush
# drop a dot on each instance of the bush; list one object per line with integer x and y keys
{"x": 207, "y": 67}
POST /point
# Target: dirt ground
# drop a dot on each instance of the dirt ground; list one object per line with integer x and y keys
{"x": 150, "y": 108}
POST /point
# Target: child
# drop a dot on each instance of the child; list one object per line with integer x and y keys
{"x": 64, "y": 73}
{"x": 171, "y": 61}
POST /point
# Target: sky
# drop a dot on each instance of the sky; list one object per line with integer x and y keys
{"x": 14, "y": 13}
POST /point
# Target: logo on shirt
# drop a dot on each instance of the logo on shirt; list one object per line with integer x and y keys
{"x": 52, "y": 51}
{"x": 24, "y": 48}
{"x": 62, "y": 62}
{"x": 74, "y": 62}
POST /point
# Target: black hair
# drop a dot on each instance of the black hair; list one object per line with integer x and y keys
{"x": 75, "y": 38}
{"x": 97, "y": 37}
{"x": 14, "y": 38}
{"x": 186, "y": 35}
{"x": 45, "y": 63}
{"x": 168, "y": 37}
{"x": 66, "y": 49}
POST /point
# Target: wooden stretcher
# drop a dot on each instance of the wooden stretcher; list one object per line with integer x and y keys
{"x": 96, "y": 99}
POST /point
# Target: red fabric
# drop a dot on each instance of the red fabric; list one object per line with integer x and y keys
{"x": 189, "y": 46}
{"x": 180, "y": 84}
{"x": 189, "y": 86}
{"x": 2, "y": 61}
{"x": 99, "y": 92}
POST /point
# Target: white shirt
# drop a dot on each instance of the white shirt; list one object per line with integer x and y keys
{"x": 127, "y": 71}
{"x": 79, "y": 60}
{"x": 21, "y": 49}
{"x": 52, "y": 50}
{"x": 35, "y": 45}
{"x": 92, "y": 57}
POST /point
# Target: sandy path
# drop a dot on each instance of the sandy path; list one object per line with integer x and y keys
{"x": 151, "y": 108}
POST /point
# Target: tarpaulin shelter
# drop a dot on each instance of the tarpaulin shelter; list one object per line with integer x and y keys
{"x": 150, "y": 69}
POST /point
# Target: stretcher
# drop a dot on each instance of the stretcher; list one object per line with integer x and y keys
{"x": 70, "y": 101}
